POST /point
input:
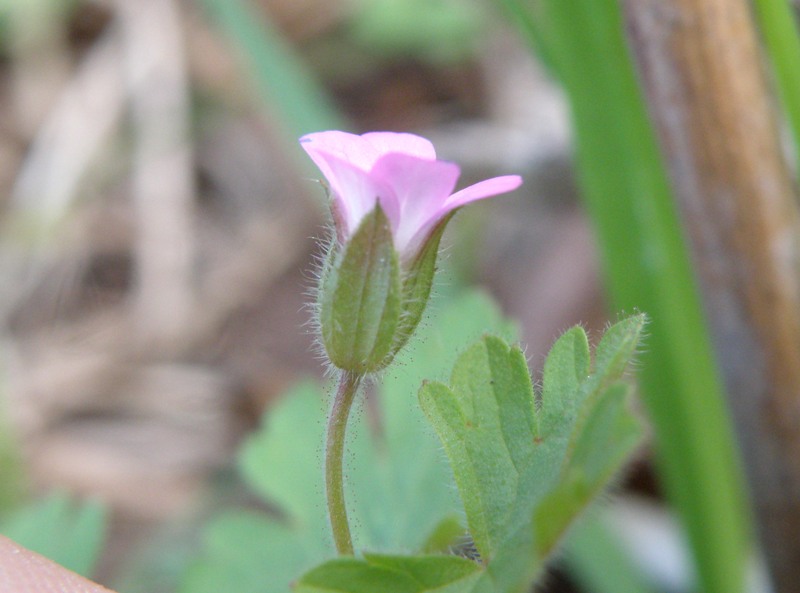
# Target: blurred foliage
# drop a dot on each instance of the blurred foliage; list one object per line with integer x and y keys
{"x": 397, "y": 488}
{"x": 779, "y": 28}
{"x": 26, "y": 22}
{"x": 598, "y": 562}
{"x": 290, "y": 92}
{"x": 158, "y": 565}
{"x": 400, "y": 497}
{"x": 61, "y": 529}
{"x": 647, "y": 268}
{"x": 438, "y": 31}
{"x": 13, "y": 483}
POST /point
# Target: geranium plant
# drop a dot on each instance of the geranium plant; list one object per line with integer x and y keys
{"x": 391, "y": 200}
{"x": 526, "y": 464}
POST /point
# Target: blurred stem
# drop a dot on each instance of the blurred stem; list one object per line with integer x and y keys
{"x": 37, "y": 37}
{"x": 779, "y": 30}
{"x": 334, "y": 452}
{"x": 83, "y": 117}
{"x": 163, "y": 182}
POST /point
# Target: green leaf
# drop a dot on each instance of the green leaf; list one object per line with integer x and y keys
{"x": 249, "y": 552}
{"x": 398, "y": 485}
{"x": 566, "y": 368}
{"x": 567, "y": 365}
{"x": 617, "y": 347}
{"x": 441, "y": 539}
{"x": 604, "y": 436}
{"x": 60, "y": 529}
{"x": 392, "y": 574}
{"x": 526, "y": 474}
{"x": 486, "y": 422}
{"x": 290, "y": 438}
{"x": 603, "y": 439}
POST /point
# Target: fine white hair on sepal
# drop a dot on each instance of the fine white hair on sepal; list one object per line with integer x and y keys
{"x": 325, "y": 244}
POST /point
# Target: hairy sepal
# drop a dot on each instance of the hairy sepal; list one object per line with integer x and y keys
{"x": 360, "y": 298}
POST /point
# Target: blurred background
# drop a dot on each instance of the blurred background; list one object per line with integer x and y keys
{"x": 160, "y": 221}
{"x": 160, "y": 226}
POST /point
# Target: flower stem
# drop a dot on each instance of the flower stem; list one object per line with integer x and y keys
{"x": 334, "y": 450}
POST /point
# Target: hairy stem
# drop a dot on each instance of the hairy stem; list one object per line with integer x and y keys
{"x": 334, "y": 450}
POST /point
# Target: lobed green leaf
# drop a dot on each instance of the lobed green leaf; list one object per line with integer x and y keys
{"x": 525, "y": 474}
{"x": 486, "y": 423}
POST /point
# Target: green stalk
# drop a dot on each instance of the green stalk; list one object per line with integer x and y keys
{"x": 779, "y": 31}
{"x": 334, "y": 453}
{"x": 646, "y": 266}
{"x": 297, "y": 101}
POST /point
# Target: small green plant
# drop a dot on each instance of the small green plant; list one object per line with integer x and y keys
{"x": 525, "y": 471}
{"x": 526, "y": 464}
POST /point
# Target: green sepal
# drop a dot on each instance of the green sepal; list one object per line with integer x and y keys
{"x": 360, "y": 298}
{"x": 417, "y": 283}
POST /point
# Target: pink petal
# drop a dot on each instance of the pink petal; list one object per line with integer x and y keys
{"x": 483, "y": 189}
{"x": 411, "y": 144}
{"x": 420, "y": 188}
{"x": 347, "y": 147}
{"x": 355, "y": 192}
{"x": 399, "y": 170}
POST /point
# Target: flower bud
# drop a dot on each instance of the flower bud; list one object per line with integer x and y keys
{"x": 369, "y": 303}
{"x": 360, "y": 297}
{"x": 391, "y": 201}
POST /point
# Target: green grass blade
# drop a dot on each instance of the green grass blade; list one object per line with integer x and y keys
{"x": 646, "y": 267}
{"x": 294, "y": 96}
{"x": 780, "y": 34}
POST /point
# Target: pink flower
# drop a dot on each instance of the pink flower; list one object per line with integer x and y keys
{"x": 399, "y": 171}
